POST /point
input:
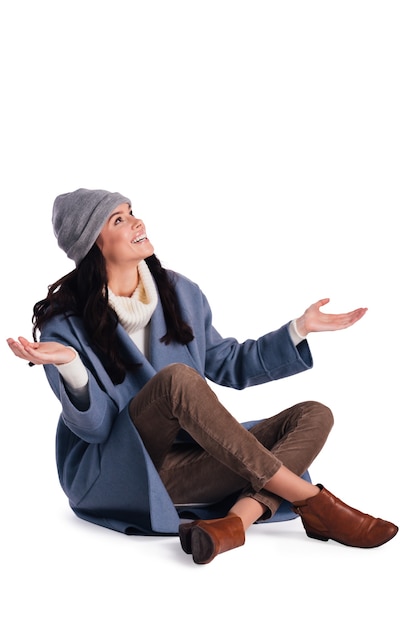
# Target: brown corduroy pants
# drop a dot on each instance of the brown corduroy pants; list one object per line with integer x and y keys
{"x": 224, "y": 457}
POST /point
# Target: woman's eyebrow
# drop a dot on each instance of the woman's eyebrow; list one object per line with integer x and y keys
{"x": 119, "y": 213}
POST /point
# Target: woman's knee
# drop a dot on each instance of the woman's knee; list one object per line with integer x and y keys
{"x": 163, "y": 384}
{"x": 179, "y": 372}
{"x": 179, "y": 377}
{"x": 321, "y": 415}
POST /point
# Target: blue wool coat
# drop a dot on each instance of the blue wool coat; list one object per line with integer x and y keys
{"x": 103, "y": 466}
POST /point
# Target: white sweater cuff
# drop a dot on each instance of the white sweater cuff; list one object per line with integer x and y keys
{"x": 74, "y": 373}
{"x": 295, "y": 336}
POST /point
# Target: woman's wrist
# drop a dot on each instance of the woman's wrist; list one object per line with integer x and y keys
{"x": 73, "y": 354}
{"x": 300, "y": 328}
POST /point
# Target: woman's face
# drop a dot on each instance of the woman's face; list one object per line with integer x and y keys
{"x": 123, "y": 238}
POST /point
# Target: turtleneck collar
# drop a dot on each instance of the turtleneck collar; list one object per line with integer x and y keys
{"x": 135, "y": 311}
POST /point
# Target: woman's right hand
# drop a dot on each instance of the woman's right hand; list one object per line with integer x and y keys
{"x": 41, "y": 353}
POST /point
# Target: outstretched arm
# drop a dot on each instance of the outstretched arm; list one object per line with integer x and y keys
{"x": 314, "y": 320}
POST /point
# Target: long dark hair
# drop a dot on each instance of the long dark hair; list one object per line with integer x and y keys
{"x": 84, "y": 292}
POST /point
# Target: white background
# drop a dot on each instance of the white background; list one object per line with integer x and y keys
{"x": 271, "y": 148}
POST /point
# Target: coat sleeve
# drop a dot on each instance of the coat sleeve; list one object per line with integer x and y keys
{"x": 254, "y": 361}
{"x": 95, "y": 423}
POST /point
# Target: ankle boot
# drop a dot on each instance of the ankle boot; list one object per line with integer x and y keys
{"x": 205, "y": 539}
{"x": 326, "y": 517}
{"x": 186, "y": 528}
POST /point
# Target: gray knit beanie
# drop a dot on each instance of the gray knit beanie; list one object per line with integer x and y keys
{"x": 79, "y": 216}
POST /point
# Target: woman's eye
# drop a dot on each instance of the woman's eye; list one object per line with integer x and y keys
{"x": 118, "y": 220}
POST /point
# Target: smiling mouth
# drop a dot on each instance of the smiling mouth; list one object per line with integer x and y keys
{"x": 139, "y": 238}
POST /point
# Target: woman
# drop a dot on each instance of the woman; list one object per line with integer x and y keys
{"x": 142, "y": 440}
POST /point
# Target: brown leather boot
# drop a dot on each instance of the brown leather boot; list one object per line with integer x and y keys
{"x": 326, "y": 517}
{"x": 205, "y": 539}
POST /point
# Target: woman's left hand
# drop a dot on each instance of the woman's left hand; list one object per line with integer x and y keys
{"x": 314, "y": 320}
